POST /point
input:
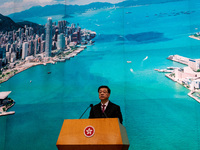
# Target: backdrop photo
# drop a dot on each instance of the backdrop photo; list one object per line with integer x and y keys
{"x": 54, "y": 54}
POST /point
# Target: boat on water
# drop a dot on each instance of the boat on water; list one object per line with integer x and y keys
{"x": 129, "y": 61}
{"x": 6, "y": 103}
{"x": 171, "y": 68}
{"x": 145, "y": 58}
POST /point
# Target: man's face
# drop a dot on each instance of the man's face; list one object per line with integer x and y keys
{"x": 103, "y": 94}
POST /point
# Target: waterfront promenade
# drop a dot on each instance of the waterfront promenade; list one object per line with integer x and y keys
{"x": 23, "y": 65}
{"x": 194, "y": 97}
{"x": 181, "y": 81}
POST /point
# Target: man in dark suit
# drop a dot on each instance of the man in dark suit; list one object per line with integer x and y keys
{"x": 105, "y": 109}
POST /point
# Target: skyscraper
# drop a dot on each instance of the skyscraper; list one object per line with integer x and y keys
{"x": 61, "y": 42}
{"x": 48, "y": 45}
{"x": 30, "y": 48}
{"x": 56, "y": 35}
{"x": 42, "y": 47}
{"x": 24, "y": 50}
{"x": 35, "y": 47}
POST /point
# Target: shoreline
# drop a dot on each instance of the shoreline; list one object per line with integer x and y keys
{"x": 191, "y": 91}
{"x": 172, "y": 77}
{"x": 20, "y": 68}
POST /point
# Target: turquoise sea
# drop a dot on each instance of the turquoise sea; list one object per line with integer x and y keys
{"x": 158, "y": 114}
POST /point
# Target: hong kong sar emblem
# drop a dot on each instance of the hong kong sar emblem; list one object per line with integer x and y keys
{"x": 89, "y": 131}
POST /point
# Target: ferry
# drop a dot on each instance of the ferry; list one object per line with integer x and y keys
{"x": 6, "y": 103}
{"x": 145, "y": 58}
{"x": 172, "y": 68}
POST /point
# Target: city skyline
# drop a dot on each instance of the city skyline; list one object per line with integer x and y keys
{"x": 23, "y": 48}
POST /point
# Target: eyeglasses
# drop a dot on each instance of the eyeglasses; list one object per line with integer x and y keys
{"x": 102, "y": 92}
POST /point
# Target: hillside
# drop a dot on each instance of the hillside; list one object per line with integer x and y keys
{"x": 7, "y": 24}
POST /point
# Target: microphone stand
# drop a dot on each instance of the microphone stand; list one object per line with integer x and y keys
{"x": 105, "y": 114}
{"x": 91, "y": 105}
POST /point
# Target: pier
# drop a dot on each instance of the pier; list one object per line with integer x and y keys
{"x": 196, "y": 98}
{"x": 179, "y": 59}
{"x": 164, "y": 70}
{"x": 168, "y": 76}
{"x": 179, "y": 75}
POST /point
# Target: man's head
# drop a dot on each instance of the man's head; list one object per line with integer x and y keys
{"x": 104, "y": 93}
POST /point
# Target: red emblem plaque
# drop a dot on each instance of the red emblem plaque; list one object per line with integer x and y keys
{"x": 89, "y": 131}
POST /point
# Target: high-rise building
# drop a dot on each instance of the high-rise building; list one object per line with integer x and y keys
{"x": 7, "y": 47}
{"x": 20, "y": 32}
{"x": 24, "y": 50}
{"x": 61, "y": 42}
{"x": 36, "y": 47}
{"x": 26, "y": 32}
{"x": 31, "y": 31}
{"x": 79, "y": 34}
{"x": 11, "y": 49}
{"x": 48, "y": 45}
{"x": 13, "y": 57}
{"x": 2, "y": 52}
{"x": 42, "y": 47}
{"x": 56, "y": 35}
{"x": 42, "y": 36}
{"x": 30, "y": 48}
{"x": 8, "y": 55}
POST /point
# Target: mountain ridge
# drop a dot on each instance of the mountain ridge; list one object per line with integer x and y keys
{"x": 7, "y": 24}
{"x": 69, "y": 10}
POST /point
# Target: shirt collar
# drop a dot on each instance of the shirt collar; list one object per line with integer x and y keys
{"x": 105, "y": 103}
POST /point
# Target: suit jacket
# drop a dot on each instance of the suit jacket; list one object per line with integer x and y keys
{"x": 112, "y": 111}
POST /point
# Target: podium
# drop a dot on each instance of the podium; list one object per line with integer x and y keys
{"x": 92, "y": 134}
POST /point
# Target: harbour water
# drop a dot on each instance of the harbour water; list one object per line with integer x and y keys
{"x": 158, "y": 114}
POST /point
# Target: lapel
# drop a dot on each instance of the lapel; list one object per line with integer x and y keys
{"x": 109, "y": 108}
{"x": 99, "y": 108}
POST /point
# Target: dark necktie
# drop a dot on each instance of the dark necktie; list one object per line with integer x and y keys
{"x": 103, "y": 108}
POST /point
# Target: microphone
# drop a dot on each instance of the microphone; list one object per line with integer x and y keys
{"x": 91, "y": 105}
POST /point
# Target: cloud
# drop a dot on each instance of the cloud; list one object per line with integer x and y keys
{"x": 11, "y": 6}
{"x": 7, "y": 7}
{"x": 84, "y": 2}
{"x": 31, "y": 3}
{"x": 38, "y": 1}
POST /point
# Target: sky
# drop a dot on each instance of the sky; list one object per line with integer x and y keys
{"x": 11, "y": 6}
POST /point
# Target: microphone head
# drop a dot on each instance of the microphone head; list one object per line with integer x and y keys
{"x": 91, "y": 105}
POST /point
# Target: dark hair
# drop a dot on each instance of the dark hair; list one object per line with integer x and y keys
{"x": 104, "y": 86}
